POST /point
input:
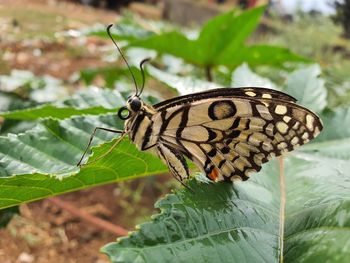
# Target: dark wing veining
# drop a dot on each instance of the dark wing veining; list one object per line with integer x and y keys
{"x": 229, "y": 137}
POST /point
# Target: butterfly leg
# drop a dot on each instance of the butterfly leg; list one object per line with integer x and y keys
{"x": 92, "y": 137}
{"x": 176, "y": 163}
{"x": 109, "y": 150}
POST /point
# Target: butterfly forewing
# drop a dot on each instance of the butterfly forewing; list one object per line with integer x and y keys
{"x": 225, "y": 92}
{"x": 228, "y": 133}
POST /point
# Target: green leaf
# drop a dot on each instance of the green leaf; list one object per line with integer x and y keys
{"x": 318, "y": 211}
{"x": 42, "y": 162}
{"x": 173, "y": 43}
{"x": 52, "y": 111}
{"x": 226, "y": 33}
{"x": 259, "y": 55}
{"x": 306, "y": 86}
{"x": 216, "y": 223}
{"x": 92, "y": 101}
{"x": 221, "y": 42}
{"x": 240, "y": 223}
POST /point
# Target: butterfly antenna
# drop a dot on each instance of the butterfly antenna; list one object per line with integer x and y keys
{"x": 121, "y": 53}
{"x": 143, "y": 73}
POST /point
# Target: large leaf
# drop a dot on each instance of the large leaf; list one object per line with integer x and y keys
{"x": 42, "y": 162}
{"x": 91, "y": 101}
{"x": 240, "y": 223}
{"x": 318, "y": 210}
{"x": 220, "y": 42}
{"x": 216, "y": 223}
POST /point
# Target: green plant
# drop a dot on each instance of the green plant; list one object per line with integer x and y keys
{"x": 221, "y": 41}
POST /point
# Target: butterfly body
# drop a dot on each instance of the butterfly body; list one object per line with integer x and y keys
{"x": 228, "y": 133}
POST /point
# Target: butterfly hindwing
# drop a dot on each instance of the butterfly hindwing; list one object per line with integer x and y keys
{"x": 174, "y": 160}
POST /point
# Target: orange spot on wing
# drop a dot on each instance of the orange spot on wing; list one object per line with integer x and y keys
{"x": 214, "y": 175}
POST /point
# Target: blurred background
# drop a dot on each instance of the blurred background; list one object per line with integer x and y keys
{"x": 51, "y": 50}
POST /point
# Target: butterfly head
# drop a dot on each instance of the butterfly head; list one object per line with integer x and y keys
{"x": 133, "y": 105}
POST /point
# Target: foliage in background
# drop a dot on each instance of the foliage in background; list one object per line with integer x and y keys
{"x": 221, "y": 41}
{"x": 7, "y": 214}
{"x": 342, "y": 15}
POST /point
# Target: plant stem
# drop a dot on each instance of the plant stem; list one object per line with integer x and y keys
{"x": 208, "y": 73}
{"x": 282, "y": 207}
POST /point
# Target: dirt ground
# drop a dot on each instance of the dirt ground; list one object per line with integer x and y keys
{"x": 45, "y": 232}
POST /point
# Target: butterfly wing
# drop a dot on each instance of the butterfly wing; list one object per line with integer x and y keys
{"x": 229, "y": 136}
{"x": 223, "y": 93}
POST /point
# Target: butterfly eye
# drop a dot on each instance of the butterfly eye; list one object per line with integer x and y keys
{"x": 124, "y": 113}
{"x": 135, "y": 104}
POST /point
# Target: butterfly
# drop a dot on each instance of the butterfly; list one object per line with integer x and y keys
{"x": 228, "y": 132}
